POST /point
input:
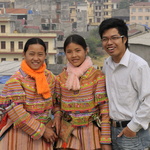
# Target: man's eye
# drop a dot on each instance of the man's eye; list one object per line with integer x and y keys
{"x": 104, "y": 39}
{"x": 68, "y": 52}
{"x": 114, "y": 37}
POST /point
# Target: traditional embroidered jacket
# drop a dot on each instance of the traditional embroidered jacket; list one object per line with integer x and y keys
{"x": 31, "y": 110}
{"x": 82, "y": 105}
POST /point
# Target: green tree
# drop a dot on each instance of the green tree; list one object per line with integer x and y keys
{"x": 93, "y": 41}
{"x": 124, "y": 4}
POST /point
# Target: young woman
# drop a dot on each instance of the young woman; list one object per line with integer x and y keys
{"x": 27, "y": 98}
{"x": 80, "y": 90}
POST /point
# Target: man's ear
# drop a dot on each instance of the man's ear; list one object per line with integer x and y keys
{"x": 124, "y": 39}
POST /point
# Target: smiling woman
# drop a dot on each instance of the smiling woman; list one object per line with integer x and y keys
{"x": 26, "y": 101}
{"x": 35, "y": 56}
{"x": 80, "y": 91}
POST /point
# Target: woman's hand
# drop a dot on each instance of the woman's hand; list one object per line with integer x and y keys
{"x": 106, "y": 147}
{"x": 56, "y": 124}
{"x": 49, "y": 135}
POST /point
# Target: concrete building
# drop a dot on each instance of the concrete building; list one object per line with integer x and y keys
{"x": 107, "y": 8}
{"x": 102, "y": 10}
{"x": 140, "y": 13}
{"x": 12, "y": 43}
{"x": 140, "y": 45}
{"x": 7, "y": 3}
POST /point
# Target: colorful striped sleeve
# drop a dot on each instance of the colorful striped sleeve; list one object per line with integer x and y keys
{"x": 102, "y": 100}
{"x": 13, "y": 93}
{"x": 105, "y": 124}
{"x": 23, "y": 120}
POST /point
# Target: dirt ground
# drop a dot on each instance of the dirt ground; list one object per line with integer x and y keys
{"x": 99, "y": 61}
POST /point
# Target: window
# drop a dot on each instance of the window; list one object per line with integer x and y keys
{"x": 90, "y": 20}
{"x": 146, "y": 17}
{"x": 98, "y": 19}
{"x": 3, "y": 59}
{"x": 3, "y": 45}
{"x": 16, "y": 59}
{"x": 105, "y": 6}
{"x": 140, "y": 10}
{"x": 147, "y": 10}
{"x": 105, "y": 13}
{"x": 53, "y": 26}
{"x": 12, "y": 46}
{"x": 140, "y": 17}
{"x": 133, "y": 9}
{"x": 20, "y": 45}
{"x": 133, "y": 18}
{"x": 2, "y": 28}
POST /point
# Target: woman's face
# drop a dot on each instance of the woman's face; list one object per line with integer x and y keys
{"x": 75, "y": 54}
{"x": 35, "y": 56}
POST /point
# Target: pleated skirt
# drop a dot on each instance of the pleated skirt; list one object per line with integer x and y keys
{"x": 82, "y": 138}
{"x": 16, "y": 139}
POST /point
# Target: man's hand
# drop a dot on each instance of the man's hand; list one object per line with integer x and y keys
{"x": 127, "y": 132}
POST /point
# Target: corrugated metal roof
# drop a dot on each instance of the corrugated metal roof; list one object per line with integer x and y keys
{"x": 141, "y": 4}
{"x": 143, "y": 39}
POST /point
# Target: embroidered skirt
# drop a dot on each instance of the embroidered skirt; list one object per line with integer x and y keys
{"x": 16, "y": 139}
{"x": 83, "y": 138}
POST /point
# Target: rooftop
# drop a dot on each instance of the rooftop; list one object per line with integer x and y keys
{"x": 141, "y": 39}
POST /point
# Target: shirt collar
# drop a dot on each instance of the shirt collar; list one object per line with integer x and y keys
{"x": 124, "y": 61}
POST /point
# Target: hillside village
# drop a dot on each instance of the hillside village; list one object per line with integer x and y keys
{"x": 54, "y": 20}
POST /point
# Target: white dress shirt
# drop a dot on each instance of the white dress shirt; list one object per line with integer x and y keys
{"x": 128, "y": 90}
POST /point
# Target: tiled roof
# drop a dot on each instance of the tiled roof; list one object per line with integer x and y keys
{"x": 16, "y": 11}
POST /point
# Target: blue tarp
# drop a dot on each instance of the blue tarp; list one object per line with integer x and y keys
{"x": 3, "y": 79}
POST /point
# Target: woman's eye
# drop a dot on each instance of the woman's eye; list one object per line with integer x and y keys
{"x": 31, "y": 54}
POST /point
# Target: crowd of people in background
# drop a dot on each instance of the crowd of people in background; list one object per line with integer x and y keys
{"x": 82, "y": 108}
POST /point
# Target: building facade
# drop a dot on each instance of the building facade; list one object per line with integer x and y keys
{"x": 140, "y": 13}
{"x": 12, "y": 43}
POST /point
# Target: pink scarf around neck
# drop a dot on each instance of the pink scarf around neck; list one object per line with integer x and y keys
{"x": 74, "y": 73}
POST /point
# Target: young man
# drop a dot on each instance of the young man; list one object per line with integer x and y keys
{"x": 128, "y": 88}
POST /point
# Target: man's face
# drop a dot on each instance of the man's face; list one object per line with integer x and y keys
{"x": 114, "y": 44}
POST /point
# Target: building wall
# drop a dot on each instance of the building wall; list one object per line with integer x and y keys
{"x": 141, "y": 50}
{"x": 90, "y": 13}
{"x": 23, "y": 37}
{"x": 140, "y": 14}
{"x": 107, "y": 9}
{"x": 73, "y": 13}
